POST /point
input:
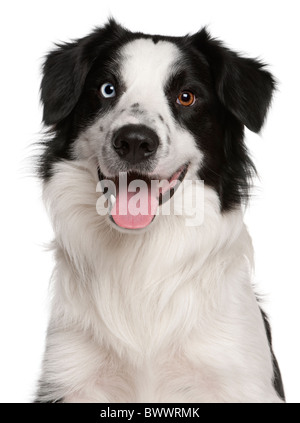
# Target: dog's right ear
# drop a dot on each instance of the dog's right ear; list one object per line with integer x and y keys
{"x": 64, "y": 74}
{"x": 66, "y": 68}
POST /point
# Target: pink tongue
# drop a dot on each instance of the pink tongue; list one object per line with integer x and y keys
{"x": 136, "y": 210}
{"x": 134, "y": 213}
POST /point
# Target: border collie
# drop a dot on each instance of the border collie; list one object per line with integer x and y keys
{"x": 145, "y": 175}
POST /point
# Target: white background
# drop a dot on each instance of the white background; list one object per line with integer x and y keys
{"x": 265, "y": 29}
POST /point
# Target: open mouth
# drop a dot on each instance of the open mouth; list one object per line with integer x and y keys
{"x": 134, "y": 198}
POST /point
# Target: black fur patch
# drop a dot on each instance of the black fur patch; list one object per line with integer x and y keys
{"x": 277, "y": 380}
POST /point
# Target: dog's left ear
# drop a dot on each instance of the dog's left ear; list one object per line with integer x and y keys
{"x": 243, "y": 85}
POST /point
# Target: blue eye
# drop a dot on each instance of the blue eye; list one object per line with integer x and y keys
{"x": 108, "y": 90}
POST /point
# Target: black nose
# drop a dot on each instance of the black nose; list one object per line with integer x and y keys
{"x": 135, "y": 143}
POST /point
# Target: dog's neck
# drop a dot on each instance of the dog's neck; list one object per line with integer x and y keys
{"x": 88, "y": 240}
{"x": 147, "y": 280}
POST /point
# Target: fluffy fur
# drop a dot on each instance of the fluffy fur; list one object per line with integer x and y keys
{"x": 168, "y": 313}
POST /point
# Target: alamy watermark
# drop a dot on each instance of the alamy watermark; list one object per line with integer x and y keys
{"x": 124, "y": 196}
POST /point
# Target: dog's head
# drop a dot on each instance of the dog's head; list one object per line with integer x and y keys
{"x": 154, "y": 108}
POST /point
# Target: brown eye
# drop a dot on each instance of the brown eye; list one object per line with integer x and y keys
{"x": 186, "y": 98}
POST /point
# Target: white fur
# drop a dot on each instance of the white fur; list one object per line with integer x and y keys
{"x": 166, "y": 315}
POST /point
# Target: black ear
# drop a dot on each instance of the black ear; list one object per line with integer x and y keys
{"x": 66, "y": 68}
{"x": 242, "y": 84}
{"x": 64, "y": 76}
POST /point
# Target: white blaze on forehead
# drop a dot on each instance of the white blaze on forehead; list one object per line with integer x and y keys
{"x": 146, "y": 66}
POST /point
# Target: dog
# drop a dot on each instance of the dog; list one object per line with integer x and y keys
{"x": 152, "y": 306}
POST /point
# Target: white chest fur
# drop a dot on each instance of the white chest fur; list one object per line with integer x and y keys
{"x": 167, "y": 315}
